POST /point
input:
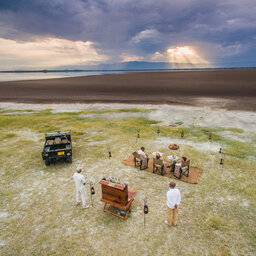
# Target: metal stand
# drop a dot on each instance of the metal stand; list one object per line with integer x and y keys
{"x": 221, "y": 146}
{"x": 222, "y": 157}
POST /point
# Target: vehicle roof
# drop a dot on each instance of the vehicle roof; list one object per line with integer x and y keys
{"x": 57, "y": 133}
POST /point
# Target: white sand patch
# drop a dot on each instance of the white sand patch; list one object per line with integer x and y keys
{"x": 200, "y": 146}
{"x": 2, "y": 172}
{"x": 243, "y": 137}
{"x": 244, "y": 203}
{"x": 30, "y": 187}
{"x": 232, "y": 198}
{"x": 2, "y": 242}
{"x": 79, "y": 164}
{"x": 58, "y": 108}
{"x": 239, "y": 200}
{"x": 165, "y": 114}
{"x": 219, "y": 199}
{"x": 205, "y": 117}
{"x": 212, "y": 102}
{"x": 91, "y": 131}
{"x": 30, "y": 135}
{"x": 3, "y": 215}
{"x": 94, "y": 143}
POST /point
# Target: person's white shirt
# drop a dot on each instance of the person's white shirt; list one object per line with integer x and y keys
{"x": 173, "y": 197}
{"x": 142, "y": 153}
{"x": 180, "y": 165}
{"x": 79, "y": 180}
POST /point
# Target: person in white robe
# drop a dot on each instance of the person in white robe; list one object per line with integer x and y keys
{"x": 80, "y": 188}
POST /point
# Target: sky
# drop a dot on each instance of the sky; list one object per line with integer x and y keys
{"x": 47, "y": 34}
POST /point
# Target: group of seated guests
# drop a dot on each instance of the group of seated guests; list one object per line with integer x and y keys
{"x": 145, "y": 159}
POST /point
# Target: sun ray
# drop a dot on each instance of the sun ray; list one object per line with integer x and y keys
{"x": 185, "y": 56}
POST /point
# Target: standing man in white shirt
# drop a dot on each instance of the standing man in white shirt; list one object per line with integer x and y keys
{"x": 80, "y": 188}
{"x": 173, "y": 201}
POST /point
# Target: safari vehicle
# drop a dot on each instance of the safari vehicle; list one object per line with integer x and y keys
{"x": 57, "y": 146}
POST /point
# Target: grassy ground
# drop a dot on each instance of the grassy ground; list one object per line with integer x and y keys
{"x": 38, "y": 215}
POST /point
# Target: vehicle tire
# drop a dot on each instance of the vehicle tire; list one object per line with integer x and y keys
{"x": 47, "y": 162}
{"x": 69, "y": 160}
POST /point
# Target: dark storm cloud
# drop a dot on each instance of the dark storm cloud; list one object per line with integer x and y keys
{"x": 139, "y": 27}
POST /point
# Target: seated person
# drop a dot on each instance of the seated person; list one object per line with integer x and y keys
{"x": 158, "y": 157}
{"x": 144, "y": 158}
{"x": 179, "y": 163}
{"x": 142, "y": 152}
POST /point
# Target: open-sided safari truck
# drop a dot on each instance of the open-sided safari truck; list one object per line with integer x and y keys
{"x": 57, "y": 146}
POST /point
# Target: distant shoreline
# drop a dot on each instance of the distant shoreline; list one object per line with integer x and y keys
{"x": 122, "y": 70}
{"x": 228, "y": 89}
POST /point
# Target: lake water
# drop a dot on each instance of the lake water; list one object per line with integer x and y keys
{"x": 16, "y": 76}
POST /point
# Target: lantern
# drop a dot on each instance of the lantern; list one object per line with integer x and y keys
{"x": 145, "y": 209}
{"x": 92, "y": 190}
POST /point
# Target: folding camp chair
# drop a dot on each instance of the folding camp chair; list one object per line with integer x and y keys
{"x": 137, "y": 160}
{"x": 185, "y": 168}
{"x": 158, "y": 166}
{"x": 182, "y": 170}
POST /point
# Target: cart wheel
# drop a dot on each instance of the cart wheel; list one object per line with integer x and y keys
{"x": 47, "y": 162}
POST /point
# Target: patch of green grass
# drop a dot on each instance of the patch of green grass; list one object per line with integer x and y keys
{"x": 239, "y": 149}
{"x": 44, "y": 112}
{"x": 133, "y": 110}
{"x": 16, "y": 111}
{"x": 215, "y": 222}
{"x": 128, "y": 110}
{"x": 236, "y": 130}
{"x": 98, "y": 137}
{"x": 8, "y": 136}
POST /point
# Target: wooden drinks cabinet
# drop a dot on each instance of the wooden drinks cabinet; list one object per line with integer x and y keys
{"x": 118, "y": 196}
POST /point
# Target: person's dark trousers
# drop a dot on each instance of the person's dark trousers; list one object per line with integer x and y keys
{"x": 173, "y": 166}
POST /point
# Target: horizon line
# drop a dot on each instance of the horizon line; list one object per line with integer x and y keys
{"x": 111, "y": 70}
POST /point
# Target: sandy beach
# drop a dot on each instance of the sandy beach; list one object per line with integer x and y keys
{"x": 228, "y": 89}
